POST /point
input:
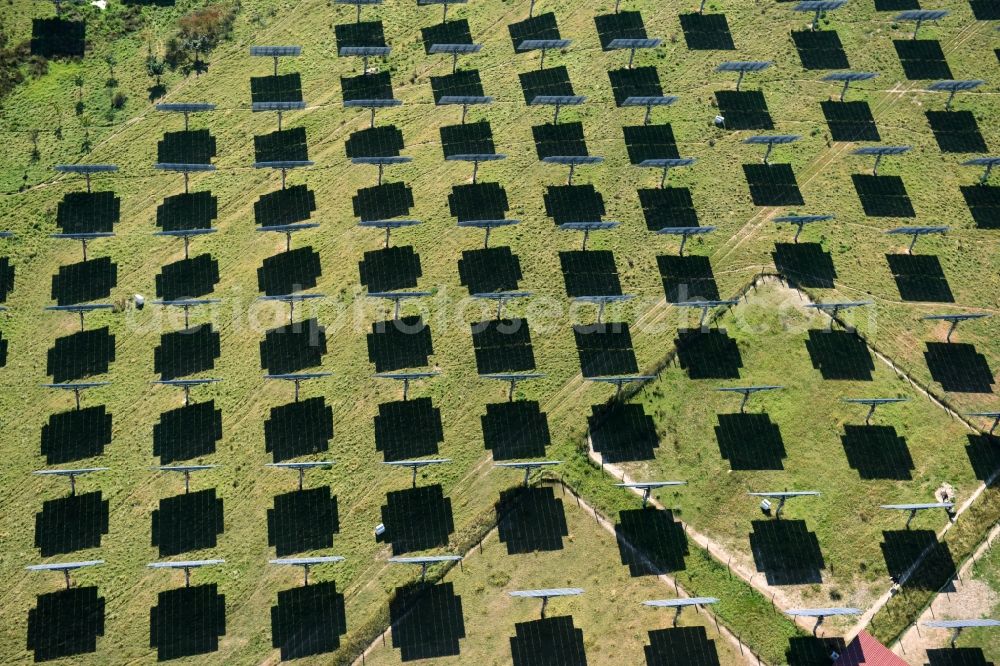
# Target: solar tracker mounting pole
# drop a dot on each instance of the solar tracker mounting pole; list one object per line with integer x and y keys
{"x": 802, "y": 224}
{"x": 76, "y": 394}
{"x": 279, "y": 121}
{"x": 465, "y": 109}
{"x": 701, "y": 8}
{"x": 739, "y": 80}
{"x": 666, "y": 170}
{"x": 475, "y": 172}
{"x": 454, "y": 62}
{"x": 815, "y": 25}
{"x": 84, "y": 242}
{"x": 531, "y": 9}
{"x": 878, "y": 160}
{"x": 649, "y": 115}
{"x": 646, "y": 492}
{"x": 283, "y": 174}
{"x": 704, "y": 315}
{"x": 381, "y": 168}
{"x": 843, "y": 91}
{"x": 541, "y": 64}
{"x": 444, "y": 15}
{"x": 359, "y": 13}
{"x": 373, "y": 112}
{"x": 555, "y": 121}
{"x": 275, "y": 65}
{"x": 767, "y": 153}
{"x": 986, "y": 174}
{"x": 916, "y": 28}
{"x": 87, "y": 176}
{"x": 910, "y": 251}
{"x": 781, "y": 506}
{"x": 631, "y": 57}
{"x": 617, "y": 7}
{"x": 185, "y": 177}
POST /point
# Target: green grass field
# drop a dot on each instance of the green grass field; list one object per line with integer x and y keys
{"x": 809, "y": 412}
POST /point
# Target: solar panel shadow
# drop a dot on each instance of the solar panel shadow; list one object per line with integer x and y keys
{"x": 804, "y": 264}
{"x": 366, "y": 87}
{"x": 194, "y": 210}
{"x": 956, "y": 131}
{"x": 883, "y": 196}
{"x": 449, "y": 32}
{"x": 298, "y": 429}
{"x": 56, "y": 37}
{"x": 302, "y": 520}
{"x": 531, "y": 519}
{"x": 383, "y": 141}
{"x": 605, "y": 349}
{"x": 187, "y": 522}
{"x": 426, "y": 621}
{"x": 681, "y": 645}
{"x": 187, "y": 432}
{"x": 820, "y": 49}
{"x": 707, "y": 32}
{"x": 920, "y": 277}
{"x": 542, "y": 26}
{"x": 650, "y": 541}
{"x": 668, "y": 207}
{"x": 516, "y": 429}
{"x": 750, "y": 441}
{"x": 502, "y": 345}
{"x": 359, "y": 35}
{"x": 65, "y": 623}
{"x": 407, "y": 429}
{"x": 877, "y": 452}
{"x": 478, "y": 201}
{"x": 635, "y": 82}
{"x": 688, "y": 278}
{"x": 383, "y": 202}
{"x": 622, "y": 432}
{"x": 187, "y": 621}
{"x": 840, "y": 355}
{"x": 288, "y": 145}
{"x": 467, "y": 139}
{"x": 812, "y": 650}
{"x": 6, "y": 278}
{"x": 985, "y": 10}
{"x": 76, "y": 434}
{"x": 984, "y": 456}
{"x": 186, "y": 147}
{"x": 964, "y": 656}
{"x": 88, "y": 212}
{"x": 562, "y": 140}
{"x": 773, "y": 185}
{"x": 650, "y": 142}
{"x": 710, "y": 354}
{"x": 187, "y": 351}
{"x": 984, "y": 205}
{"x": 850, "y": 121}
{"x": 308, "y": 620}
{"x": 551, "y": 81}
{"x": 489, "y": 270}
{"x": 958, "y": 367}
{"x": 744, "y": 109}
{"x": 902, "y": 549}
{"x": 188, "y": 278}
{"x": 573, "y": 203}
{"x": 623, "y": 25}
{"x": 276, "y": 88}
{"x": 590, "y": 273}
{"x": 786, "y": 552}
{"x": 288, "y": 206}
{"x": 289, "y": 272}
{"x": 80, "y": 355}
{"x": 417, "y": 519}
{"x": 84, "y": 281}
{"x": 896, "y": 5}
{"x": 552, "y": 640}
{"x": 463, "y": 83}
{"x": 390, "y": 269}
{"x": 71, "y": 523}
{"x": 922, "y": 59}
{"x": 292, "y": 348}
{"x": 398, "y": 344}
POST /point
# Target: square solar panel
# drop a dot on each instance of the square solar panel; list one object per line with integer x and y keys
{"x": 850, "y": 121}
{"x": 605, "y": 349}
{"x": 80, "y": 355}
{"x": 622, "y": 432}
{"x": 194, "y": 210}
{"x": 478, "y": 201}
{"x": 651, "y": 542}
{"x": 956, "y": 131}
{"x": 276, "y": 88}
{"x": 542, "y": 26}
{"x": 366, "y": 87}
{"x": 531, "y": 520}
{"x": 681, "y": 645}
{"x": 88, "y": 212}
{"x": 515, "y": 429}
{"x": 56, "y": 37}
{"x": 298, "y": 428}
{"x": 896, "y": 5}
{"x": 668, "y": 207}
{"x": 188, "y": 278}
{"x": 302, "y": 520}
{"x": 920, "y": 277}
{"x": 71, "y": 523}
{"x": 288, "y": 206}
{"x": 463, "y": 83}
{"x": 360, "y": 35}
{"x": 390, "y": 269}
{"x": 551, "y": 640}
{"x": 187, "y": 621}
{"x": 293, "y": 348}
{"x": 820, "y": 49}
{"x": 750, "y": 442}
{"x": 288, "y": 145}
{"x": 308, "y": 620}
{"x": 551, "y": 81}
{"x": 563, "y": 140}
{"x": 883, "y": 196}
{"x": 650, "y": 142}
{"x": 187, "y": 147}
{"x": 76, "y": 434}
{"x": 573, "y": 203}
{"x": 922, "y": 59}
{"x": 985, "y": 10}
{"x": 187, "y": 432}
{"x": 383, "y": 141}
{"x": 449, "y": 32}
{"x": 635, "y": 82}
{"x": 984, "y": 205}
{"x": 407, "y": 429}
{"x": 707, "y": 32}
{"x": 502, "y": 345}
{"x": 186, "y": 352}
{"x": 744, "y": 109}
{"x": 84, "y": 281}
{"x": 805, "y": 264}
{"x": 65, "y": 623}
{"x": 590, "y": 273}
{"x": 467, "y": 139}
{"x": 877, "y": 452}
{"x": 786, "y": 552}
{"x": 488, "y": 270}
{"x": 289, "y": 272}
{"x": 623, "y": 25}
{"x": 840, "y": 355}
{"x": 426, "y": 621}
{"x": 383, "y": 202}
{"x": 6, "y": 278}
{"x": 708, "y": 355}
{"x": 773, "y": 185}
{"x": 398, "y": 344}
{"x": 187, "y": 522}
{"x": 417, "y": 519}
{"x": 688, "y": 278}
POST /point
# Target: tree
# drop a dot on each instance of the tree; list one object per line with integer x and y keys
{"x": 112, "y": 61}
{"x": 155, "y": 67}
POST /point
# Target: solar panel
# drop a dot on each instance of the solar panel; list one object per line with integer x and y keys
{"x": 681, "y": 603}
{"x": 275, "y": 51}
{"x": 961, "y": 624}
{"x": 743, "y": 66}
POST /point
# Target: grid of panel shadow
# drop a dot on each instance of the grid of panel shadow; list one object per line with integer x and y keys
{"x": 590, "y": 273}
{"x": 883, "y": 196}
{"x": 958, "y": 367}
{"x": 289, "y": 145}
{"x": 573, "y": 203}
{"x": 81, "y": 354}
{"x": 65, "y": 623}
{"x": 840, "y": 355}
{"x": 964, "y": 656}
{"x": 294, "y": 347}
{"x": 187, "y": 432}
{"x": 985, "y": 10}
{"x": 449, "y": 32}
{"x": 186, "y": 147}
{"x": 187, "y": 351}
{"x": 289, "y": 272}
{"x": 57, "y": 37}
{"x": 710, "y": 354}
{"x": 786, "y": 552}
{"x": 551, "y": 640}
{"x": 187, "y": 621}
{"x": 6, "y": 278}
{"x": 551, "y": 81}
{"x": 276, "y": 88}
{"x": 850, "y": 121}
{"x": 467, "y": 139}
{"x": 298, "y": 428}
{"x": 681, "y": 645}
{"x": 956, "y": 131}
{"x": 744, "y": 109}
{"x": 605, "y": 349}
{"x": 187, "y": 522}
{"x": 360, "y": 35}
{"x": 463, "y": 83}
{"x": 88, "y": 212}
{"x": 896, "y": 5}
{"x": 805, "y": 264}
{"x": 84, "y": 281}
{"x": 417, "y": 519}
{"x": 478, "y": 201}
{"x": 187, "y": 278}
{"x": 502, "y": 345}
{"x": 920, "y": 277}
{"x": 72, "y": 523}
{"x": 194, "y": 210}
{"x": 623, "y": 25}
{"x": 397, "y": 344}
{"x": 516, "y": 429}
{"x": 389, "y": 269}
{"x": 668, "y": 207}
{"x": 426, "y": 621}
{"x": 650, "y": 541}
{"x": 488, "y": 270}
{"x": 635, "y": 82}
{"x": 531, "y": 519}
{"x": 366, "y": 87}
{"x": 922, "y": 59}
{"x": 877, "y": 452}
{"x": 383, "y": 141}
{"x": 407, "y": 429}
{"x": 773, "y": 185}
{"x": 562, "y": 140}
{"x": 4, "y": 344}
{"x": 622, "y": 432}
{"x": 687, "y": 278}
{"x": 76, "y": 434}
{"x": 750, "y": 441}
{"x": 984, "y": 205}
{"x": 916, "y": 559}
{"x": 308, "y": 620}
{"x": 538, "y": 27}
{"x": 288, "y": 206}
{"x": 809, "y": 650}
{"x": 820, "y": 49}
{"x": 650, "y": 142}
{"x": 302, "y": 520}
{"x": 707, "y": 32}
{"x": 383, "y": 202}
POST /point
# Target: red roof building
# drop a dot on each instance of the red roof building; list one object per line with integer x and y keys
{"x": 866, "y": 651}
